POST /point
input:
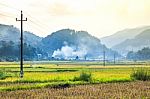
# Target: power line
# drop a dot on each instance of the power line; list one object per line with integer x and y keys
{"x": 34, "y": 22}
{"x": 37, "y": 23}
{"x": 8, "y": 6}
{"x": 12, "y": 17}
{"x": 7, "y": 14}
{"x": 35, "y": 26}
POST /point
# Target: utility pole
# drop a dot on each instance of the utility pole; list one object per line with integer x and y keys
{"x": 104, "y": 55}
{"x": 104, "y": 58}
{"x": 21, "y": 46}
{"x": 114, "y": 58}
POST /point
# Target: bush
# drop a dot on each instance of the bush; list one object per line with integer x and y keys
{"x": 84, "y": 77}
{"x": 141, "y": 74}
{"x": 2, "y": 75}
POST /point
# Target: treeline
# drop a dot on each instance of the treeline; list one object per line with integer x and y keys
{"x": 143, "y": 54}
{"x": 10, "y": 51}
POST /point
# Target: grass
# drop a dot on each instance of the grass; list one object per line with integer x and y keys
{"x": 141, "y": 74}
{"x": 25, "y": 86}
{"x": 84, "y": 77}
{"x": 2, "y": 75}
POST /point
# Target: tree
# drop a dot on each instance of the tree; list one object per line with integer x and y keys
{"x": 143, "y": 54}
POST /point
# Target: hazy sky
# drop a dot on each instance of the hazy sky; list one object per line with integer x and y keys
{"x": 98, "y": 17}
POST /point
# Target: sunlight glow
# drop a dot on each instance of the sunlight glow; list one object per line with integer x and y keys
{"x": 98, "y": 17}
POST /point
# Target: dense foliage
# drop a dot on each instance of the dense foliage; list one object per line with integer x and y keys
{"x": 141, "y": 74}
{"x": 2, "y": 75}
{"x": 143, "y": 54}
{"x": 84, "y": 77}
{"x": 9, "y": 51}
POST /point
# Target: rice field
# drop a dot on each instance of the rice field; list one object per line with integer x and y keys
{"x": 44, "y": 78}
{"x": 128, "y": 90}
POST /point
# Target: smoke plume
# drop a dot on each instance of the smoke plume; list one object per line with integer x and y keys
{"x": 68, "y": 52}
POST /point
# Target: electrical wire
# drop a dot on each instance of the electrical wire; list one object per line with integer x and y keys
{"x": 33, "y": 20}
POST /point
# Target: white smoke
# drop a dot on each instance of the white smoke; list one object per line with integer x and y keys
{"x": 68, "y": 52}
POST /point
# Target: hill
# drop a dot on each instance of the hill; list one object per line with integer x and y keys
{"x": 63, "y": 44}
{"x": 138, "y": 42}
{"x": 10, "y": 41}
{"x": 67, "y": 43}
{"x": 123, "y": 35}
{"x": 11, "y": 33}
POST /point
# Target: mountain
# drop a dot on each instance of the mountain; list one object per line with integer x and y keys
{"x": 67, "y": 43}
{"x": 31, "y": 38}
{"x": 64, "y": 44}
{"x": 11, "y": 33}
{"x": 121, "y": 36}
{"x": 9, "y": 40}
{"x": 138, "y": 42}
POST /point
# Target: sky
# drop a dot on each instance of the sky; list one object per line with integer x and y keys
{"x": 98, "y": 17}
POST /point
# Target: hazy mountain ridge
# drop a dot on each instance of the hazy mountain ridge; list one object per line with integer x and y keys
{"x": 31, "y": 38}
{"x": 140, "y": 41}
{"x": 65, "y": 43}
{"x": 77, "y": 43}
{"x": 11, "y": 33}
{"x": 123, "y": 35}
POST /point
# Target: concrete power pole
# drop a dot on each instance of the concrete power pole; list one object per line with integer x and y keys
{"x": 104, "y": 58}
{"x": 114, "y": 58}
{"x": 21, "y": 46}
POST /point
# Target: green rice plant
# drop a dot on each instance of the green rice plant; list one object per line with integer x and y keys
{"x": 84, "y": 77}
{"x": 141, "y": 74}
{"x": 2, "y": 75}
{"x": 28, "y": 86}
